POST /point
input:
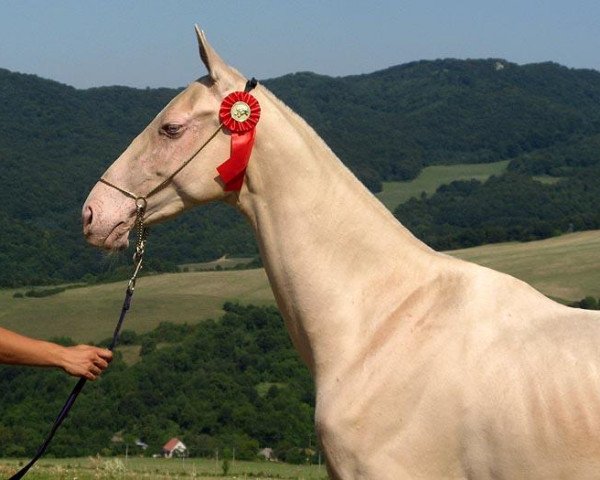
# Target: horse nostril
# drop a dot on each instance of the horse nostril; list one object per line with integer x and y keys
{"x": 88, "y": 216}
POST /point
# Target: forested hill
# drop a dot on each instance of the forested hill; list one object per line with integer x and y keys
{"x": 394, "y": 121}
{"x": 56, "y": 141}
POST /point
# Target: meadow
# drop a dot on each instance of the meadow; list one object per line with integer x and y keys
{"x": 98, "y": 468}
{"x": 566, "y": 268}
{"x": 89, "y": 313}
{"x": 431, "y": 178}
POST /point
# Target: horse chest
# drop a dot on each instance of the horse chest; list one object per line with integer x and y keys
{"x": 387, "y": 423}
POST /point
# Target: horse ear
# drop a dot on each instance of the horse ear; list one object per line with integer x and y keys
{"x": 214, "y": 64}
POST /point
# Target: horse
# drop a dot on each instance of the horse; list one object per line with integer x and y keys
{"x": 425, "y": 366}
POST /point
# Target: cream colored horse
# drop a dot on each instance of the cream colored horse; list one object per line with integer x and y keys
{"x": 426, "y": 367}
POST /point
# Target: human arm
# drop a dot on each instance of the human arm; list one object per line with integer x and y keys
{"x": 80, "y": 360}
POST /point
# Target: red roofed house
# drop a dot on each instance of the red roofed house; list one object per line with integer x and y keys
{"x": 174, "y": 447}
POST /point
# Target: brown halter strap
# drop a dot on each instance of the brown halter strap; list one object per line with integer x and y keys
{"x": 142, "y": 199}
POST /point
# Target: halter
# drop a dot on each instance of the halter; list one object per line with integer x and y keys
{"x": 143, "y": 199}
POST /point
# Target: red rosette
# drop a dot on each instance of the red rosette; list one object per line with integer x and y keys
{"x": 239, "y": 112}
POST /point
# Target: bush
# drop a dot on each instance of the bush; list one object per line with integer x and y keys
{"x": 128, "y": 337}
{"x": 148, "y": 346}
{"x": 44, "y": 292}
{"x": 589, "y": 303}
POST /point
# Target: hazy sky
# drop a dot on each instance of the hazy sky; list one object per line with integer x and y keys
{"x": 152, "y": 43}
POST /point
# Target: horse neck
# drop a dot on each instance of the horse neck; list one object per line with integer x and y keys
{"x": 330, "y": 248}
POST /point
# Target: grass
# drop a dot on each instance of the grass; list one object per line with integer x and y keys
{"x": 225, "y": 263}
{"x": 565, "y": 267}
{"x": 431, "y": 178}
{"x": 547, "y": 180}
{"x": 130, "y": 353}
{"x": 150, "y": 468}
{"x": 263, "y": 388}
{"x": 89, "y": 314}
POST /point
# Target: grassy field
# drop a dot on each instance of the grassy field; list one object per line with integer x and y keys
{"x": 150, "y": 468}
{"x": 431, "y": 178}
{"x": 566, "y": 267}
{"x": 89, "y": 314}
{"x": 225, "y": 263}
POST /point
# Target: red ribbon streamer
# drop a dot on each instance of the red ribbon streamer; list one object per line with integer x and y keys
{"x": 233, "y": 170}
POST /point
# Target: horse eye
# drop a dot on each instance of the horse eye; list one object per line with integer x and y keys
{"x": 172, "y": 129}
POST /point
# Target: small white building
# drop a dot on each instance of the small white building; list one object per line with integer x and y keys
{"x": 174, "y": 447}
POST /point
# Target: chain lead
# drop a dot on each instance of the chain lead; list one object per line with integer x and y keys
{"x": 140, "y": 246}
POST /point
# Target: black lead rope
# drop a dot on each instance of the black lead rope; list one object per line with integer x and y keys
{"x": 138, "y": 258}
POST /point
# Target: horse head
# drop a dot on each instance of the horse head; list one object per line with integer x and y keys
{"x": 187, "y": 130}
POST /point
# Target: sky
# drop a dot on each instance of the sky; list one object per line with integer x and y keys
{"x": 151, "y": 43}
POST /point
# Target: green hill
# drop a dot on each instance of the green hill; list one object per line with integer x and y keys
{"x": 386, "y": 126}
{"x": 565, "y": 268}
{"x": 445, "y": 111}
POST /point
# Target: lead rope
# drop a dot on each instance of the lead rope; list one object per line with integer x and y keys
{"x": 138, "y": 258}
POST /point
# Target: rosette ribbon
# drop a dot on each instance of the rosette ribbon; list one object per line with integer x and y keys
{"x": 239, "y": 113}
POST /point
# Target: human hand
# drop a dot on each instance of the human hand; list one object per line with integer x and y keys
{"x": 85, "y": 361}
